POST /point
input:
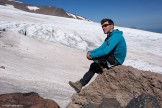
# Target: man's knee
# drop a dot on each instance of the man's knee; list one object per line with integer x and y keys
{"x": 94, "y": 67}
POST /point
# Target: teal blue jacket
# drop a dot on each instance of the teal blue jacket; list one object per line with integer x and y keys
{"x": 114, "y": 42}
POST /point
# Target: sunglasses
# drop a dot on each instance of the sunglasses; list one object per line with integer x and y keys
{"x": 105, "y": 25}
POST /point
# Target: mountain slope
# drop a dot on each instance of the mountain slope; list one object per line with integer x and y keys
{"x": 40, "y": 66}
{"x": 84, "y": 35}
{"x": 46, "y": 10}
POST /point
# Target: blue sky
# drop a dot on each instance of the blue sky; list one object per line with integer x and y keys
{"x": 142, "y": 14}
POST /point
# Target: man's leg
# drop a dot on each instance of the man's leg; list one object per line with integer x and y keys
{"x": 94, "y": 68}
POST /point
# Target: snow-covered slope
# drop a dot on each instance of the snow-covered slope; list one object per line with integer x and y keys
{"x": 143, "y": 46}
{"x": 40, "y": 66}
{"x": 42, "y": 53}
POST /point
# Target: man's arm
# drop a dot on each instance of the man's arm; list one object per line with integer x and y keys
{"x": 107, "y": 47}
{"x": 99, "y": 48}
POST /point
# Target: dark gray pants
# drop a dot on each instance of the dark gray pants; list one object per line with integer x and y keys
{"x": 96, "y": 67}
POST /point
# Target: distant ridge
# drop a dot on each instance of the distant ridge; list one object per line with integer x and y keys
{"x": 47, "y": 10}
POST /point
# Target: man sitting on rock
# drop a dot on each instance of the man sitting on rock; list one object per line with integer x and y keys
{"x": 111, "y": 53}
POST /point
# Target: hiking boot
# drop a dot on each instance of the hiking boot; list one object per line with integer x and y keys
{"x": 76, "y": 85}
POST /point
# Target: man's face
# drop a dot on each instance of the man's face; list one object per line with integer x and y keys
{"x": 107, "y": 28}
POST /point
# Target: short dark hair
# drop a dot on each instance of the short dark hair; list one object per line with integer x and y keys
{"x": 107, "y": 20}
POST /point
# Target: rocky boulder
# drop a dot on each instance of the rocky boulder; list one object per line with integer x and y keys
{"x": 144, "y": 101}
{"x": 121, "y": 83}
{"x": 26, "y": 100}
{"x": 2, "y": 67}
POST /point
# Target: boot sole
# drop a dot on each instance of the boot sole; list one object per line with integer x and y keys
{"x": 77, "y": 90}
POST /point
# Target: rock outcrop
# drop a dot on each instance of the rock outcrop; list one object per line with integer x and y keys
{"x": 3, "y": 67}
{"x": 144, "y": 101}
{"x": 26, "y": 100}
{"x": 122, "y": 83}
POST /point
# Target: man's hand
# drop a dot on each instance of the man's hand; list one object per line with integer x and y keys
{"x": 88, "y": 56}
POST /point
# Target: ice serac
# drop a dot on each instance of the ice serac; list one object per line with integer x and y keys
{"x": 122, "y": 83}
{"x": 25, "y": 100}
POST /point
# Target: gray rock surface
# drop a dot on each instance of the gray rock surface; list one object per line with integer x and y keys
{"x": 122, "y": 83}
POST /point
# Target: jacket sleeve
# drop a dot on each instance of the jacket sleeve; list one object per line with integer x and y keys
{"x": 106, "y": 47}
{"x": 99, "y": 48}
